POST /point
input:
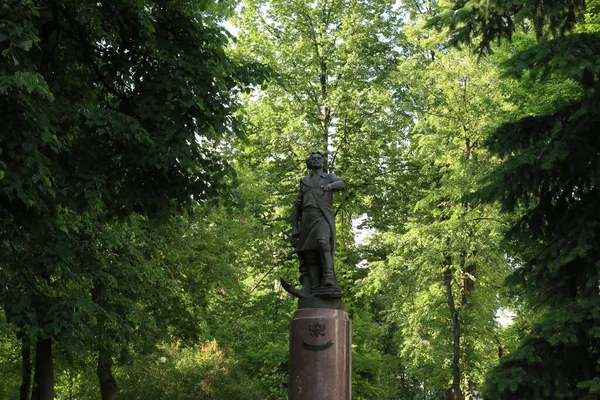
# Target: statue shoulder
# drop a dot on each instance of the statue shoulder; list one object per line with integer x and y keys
{"x": 333, "y": 177}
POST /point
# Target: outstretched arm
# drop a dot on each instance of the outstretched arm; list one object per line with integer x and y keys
{"x": 336, "y": 184}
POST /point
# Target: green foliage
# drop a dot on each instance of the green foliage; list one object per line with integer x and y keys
{"x": 10, "y": 370}
{"x": 201, "y": 372}
{"x": 334, "y": 63}
{"x": 557, "y": 360}
{"x": 444, "y": 262}
{"x": 112, "y": 114}
{"x": 97, "y": 147}
{"x": 118, "y": 234}
{"x": 571, "y": 57}
{"x": 548, "y": 174}
{"x": 481, "y": 22}
{"x": 252, "y": 318}
{"x": 550, "y": 171}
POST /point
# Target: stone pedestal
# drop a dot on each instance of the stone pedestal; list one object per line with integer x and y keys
{"x": 320, "y": 355}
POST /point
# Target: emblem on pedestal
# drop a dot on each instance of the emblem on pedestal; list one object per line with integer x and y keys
{"x": 316, "y": 330}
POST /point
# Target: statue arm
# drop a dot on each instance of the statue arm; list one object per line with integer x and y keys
{"x": 295, "y": 218}
{"x": 335, "y": 184}
{"x": 296, "y": 213}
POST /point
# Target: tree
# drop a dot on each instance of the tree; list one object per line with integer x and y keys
{"x": 333, "y": 63}
{"x": 442, "y": 265}
{"x": 107, "y": 110}
{"x": 549, "y": 174}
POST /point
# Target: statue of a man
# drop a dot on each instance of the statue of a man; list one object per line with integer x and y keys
{"x": 313, "y": 231}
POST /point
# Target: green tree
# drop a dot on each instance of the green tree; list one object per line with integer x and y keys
{"x": 444, "y": 262}
{"x": 333, "y": 63}
{"x": 549, "y": 173}
{"x": 108, "y": 109}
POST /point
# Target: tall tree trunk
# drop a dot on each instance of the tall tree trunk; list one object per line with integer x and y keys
{"x": 448, "y": 395}
{"x": 325, "y": 109}
{"x": 448, "y": 272}
{"x": 469, "y": 272}
{"x": 108, "y": 384}
{"x": 25, "y": 388}
{"x": 469, "y": 285}
{"x": 43, "y": 380}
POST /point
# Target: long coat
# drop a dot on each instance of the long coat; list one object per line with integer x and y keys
{"x": 317, "y": 214}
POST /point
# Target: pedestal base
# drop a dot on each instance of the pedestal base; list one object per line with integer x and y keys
{"x": 318, "y": 302}
{"x": 320, "y": 355}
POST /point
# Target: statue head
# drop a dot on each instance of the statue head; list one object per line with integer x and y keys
{"x": 316, "y": 160}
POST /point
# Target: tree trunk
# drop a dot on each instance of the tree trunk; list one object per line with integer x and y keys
{"x": 470, "y": 274}
{"x": 43, "y": 380}
{"x": 448, "y": 395}
{"x": 325, "y": 109}
{"x": 457, "y": 392}
{"x": 108, "y": 384}
{"x": 25, "y": 388}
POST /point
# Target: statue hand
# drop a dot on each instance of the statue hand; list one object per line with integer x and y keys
{"x": 327, "y": 188}
{"x": 295, "y": 232}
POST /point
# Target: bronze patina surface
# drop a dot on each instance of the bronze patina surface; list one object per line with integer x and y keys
{"x": 313, "y": 237}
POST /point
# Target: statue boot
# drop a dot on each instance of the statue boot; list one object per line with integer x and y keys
{"x": 328, "y": 277}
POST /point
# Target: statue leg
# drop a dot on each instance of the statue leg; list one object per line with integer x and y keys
{"x": 327, "y": 276}
{"x": 310, "y": 273}
{"x": 312, "y": 268}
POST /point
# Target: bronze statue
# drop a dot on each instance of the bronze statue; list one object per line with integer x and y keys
{"x": 313, "y": 232}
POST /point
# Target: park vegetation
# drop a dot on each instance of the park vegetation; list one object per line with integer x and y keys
{"x": 150, "y": 156}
